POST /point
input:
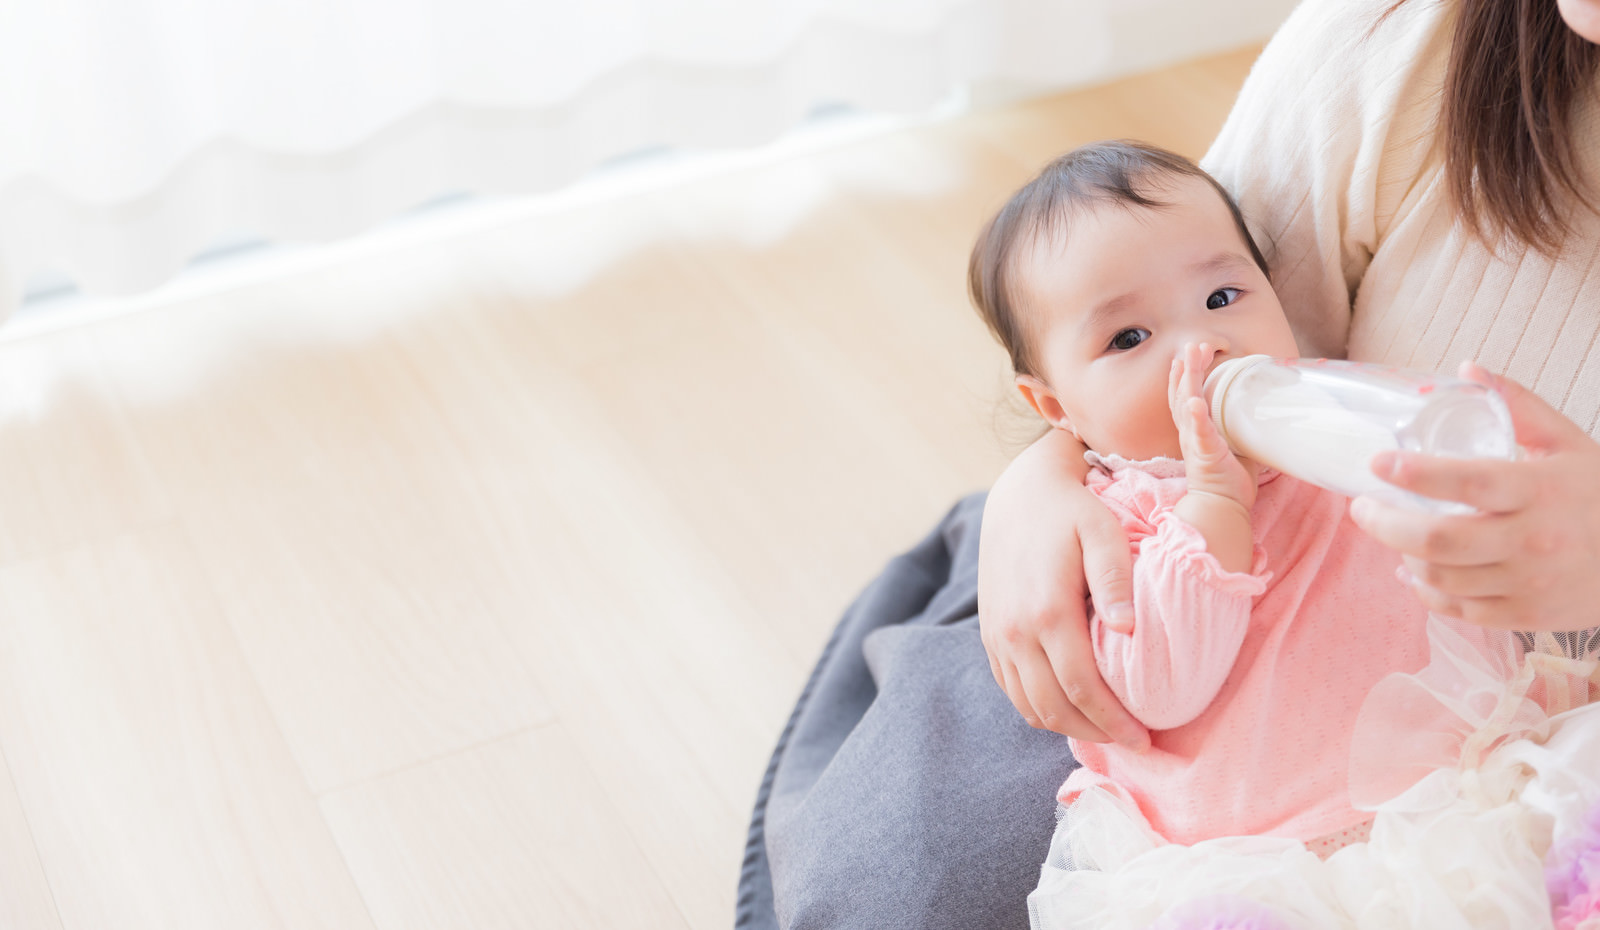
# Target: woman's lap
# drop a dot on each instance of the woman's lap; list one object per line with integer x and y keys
{"x": 906, "y": 790}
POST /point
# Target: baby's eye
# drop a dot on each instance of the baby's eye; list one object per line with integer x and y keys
{"x": 1128, "y": 338}
{"x": 1221, "y": 297}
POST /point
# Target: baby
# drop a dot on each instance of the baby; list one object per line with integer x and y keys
{"x": 1263, "y": 618}
{"x": 1116, "y": 280}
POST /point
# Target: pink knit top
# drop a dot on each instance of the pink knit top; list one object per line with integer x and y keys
{"x": 1250, "y": 683}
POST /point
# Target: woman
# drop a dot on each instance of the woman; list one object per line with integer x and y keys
{"x": 1378, "y": 148}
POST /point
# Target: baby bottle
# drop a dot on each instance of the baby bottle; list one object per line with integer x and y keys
{"x": 1322, "y": 421}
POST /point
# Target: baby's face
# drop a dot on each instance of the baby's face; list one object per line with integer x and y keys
{"x": 1111, "y": 306}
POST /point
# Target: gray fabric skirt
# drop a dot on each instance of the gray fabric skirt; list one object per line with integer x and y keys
{"x": 905, "y": 790}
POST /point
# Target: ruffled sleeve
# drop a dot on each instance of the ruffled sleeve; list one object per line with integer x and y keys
{"x": 1190, "y": 618}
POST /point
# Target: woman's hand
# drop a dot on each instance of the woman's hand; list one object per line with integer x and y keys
{"x": 1046, "y": 545}
{"x": 1530, "y": 559}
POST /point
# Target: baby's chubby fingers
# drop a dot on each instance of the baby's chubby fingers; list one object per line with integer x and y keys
{"x": 1186, "y": 379}
{"x": 1196, "y": 432}
{"x": 1196, "y": 359}
{"x": 1174, "y": 383}
{"x": 1207, "y": 439}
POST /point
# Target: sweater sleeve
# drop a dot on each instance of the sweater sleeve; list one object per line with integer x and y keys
{"x": 1190, "y": 618}
{"x": 1325, "y": 142}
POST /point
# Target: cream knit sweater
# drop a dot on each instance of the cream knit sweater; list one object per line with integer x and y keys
{"x": 1330, "y": 151}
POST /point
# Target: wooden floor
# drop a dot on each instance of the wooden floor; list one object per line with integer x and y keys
{"x": 465, "y": 585}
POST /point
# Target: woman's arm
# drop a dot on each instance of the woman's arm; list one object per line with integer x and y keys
{"x": 1530, "y": 560}
{"x": 1047, "y": 547}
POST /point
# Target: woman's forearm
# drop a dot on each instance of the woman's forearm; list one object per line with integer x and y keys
{"x": 1047, "y": 545}
{"x": 1056, "y": 457}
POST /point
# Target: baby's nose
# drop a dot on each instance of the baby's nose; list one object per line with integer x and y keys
{"x": 1210, "y": 347}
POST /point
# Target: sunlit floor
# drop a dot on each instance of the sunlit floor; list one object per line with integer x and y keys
{"x": 467, "y": 585}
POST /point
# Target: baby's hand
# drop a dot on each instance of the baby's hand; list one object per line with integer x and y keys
{"x": 1210, "y": 466}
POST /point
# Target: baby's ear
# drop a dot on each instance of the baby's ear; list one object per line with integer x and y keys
{"x": 1044, "y": 402}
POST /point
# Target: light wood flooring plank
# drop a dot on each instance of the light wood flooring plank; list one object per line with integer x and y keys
{"x": 766, "y": 440}
{"x": 637, "y": 618}
{"x": 525, "y": 483}
{"x": 1180, "y": 108}
{"x": 26, "y": 900}
{"x": 661, "y": 666}
{"x": 663, "y": 758}
{"x": 503, "y": 836}
{"x": 737, "y": 435}
{"x": 70, "y": 472}
{"x": 886, "y": 328}
{"x": 334, "y": 514}
{"x": 159, "y": 791}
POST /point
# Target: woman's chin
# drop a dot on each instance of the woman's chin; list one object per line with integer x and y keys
{"x": 1583, "y": 17}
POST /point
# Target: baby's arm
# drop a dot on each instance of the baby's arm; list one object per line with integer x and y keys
{"x": 1190, "y": 619}
{"x": 1194, "y": 580}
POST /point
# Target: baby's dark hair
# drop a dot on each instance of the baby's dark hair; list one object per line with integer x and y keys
{"x": 1119, "y": 172}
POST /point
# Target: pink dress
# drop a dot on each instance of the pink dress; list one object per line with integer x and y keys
{"x": 1306, "y": 696}
{"x": 1250, "y": 683}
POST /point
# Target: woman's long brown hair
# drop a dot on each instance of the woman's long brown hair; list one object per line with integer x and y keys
{"x": 1516, "y": 73}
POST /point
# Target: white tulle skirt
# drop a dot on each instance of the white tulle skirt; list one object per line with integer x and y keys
{"x": 1483, "y": 776}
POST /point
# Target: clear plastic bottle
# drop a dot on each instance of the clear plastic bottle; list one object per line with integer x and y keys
{"x": 1322, "y": 421}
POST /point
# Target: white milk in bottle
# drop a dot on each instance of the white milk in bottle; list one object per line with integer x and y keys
{"x": 1322, "y": 421}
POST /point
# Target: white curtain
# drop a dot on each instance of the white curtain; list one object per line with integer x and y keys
{"x": 134, "y": 133}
